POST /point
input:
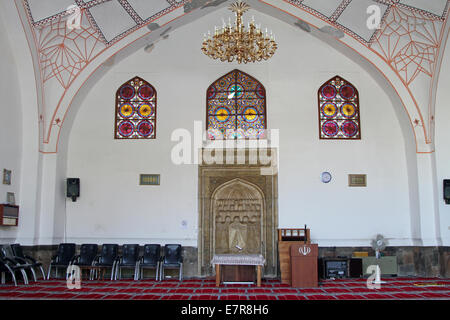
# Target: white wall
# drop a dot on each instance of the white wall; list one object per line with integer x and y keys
{"x": 113, "y": 207}
{"x": 442, "y": 143}
{"x": 10, "y": 127}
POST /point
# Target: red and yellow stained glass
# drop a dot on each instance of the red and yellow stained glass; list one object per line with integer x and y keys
{"x": 236, "y": 107}
{"x": 339, "y": 116}
{"x": 135, "y": 110}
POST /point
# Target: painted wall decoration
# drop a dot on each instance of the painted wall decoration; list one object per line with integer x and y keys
{"x": 135, "y": 110}
{"x": 236, "y": 107}
{"x": 339, "y": 110}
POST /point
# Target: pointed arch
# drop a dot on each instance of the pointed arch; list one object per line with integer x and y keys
{"x": 339, "y": 110}
{"x": 236, "y": 107}
{"x": 135, "y": 110}
{"x": 238, "y": 218}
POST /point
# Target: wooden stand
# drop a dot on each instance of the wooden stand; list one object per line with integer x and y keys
{"x": 219, "y": 275}
{"x": 304, "y": 265}
{"x": 234, "y": 263}
{"x": 286, "y": 238}
{"x": 238, "y": 273}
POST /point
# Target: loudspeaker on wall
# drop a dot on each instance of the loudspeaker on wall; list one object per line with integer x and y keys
{"x": 73, "y": 188}
{"x": 447, "y": 191}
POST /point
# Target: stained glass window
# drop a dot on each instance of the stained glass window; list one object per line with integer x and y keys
{"x": 236, "y": 107}
{"x": 339, "y": 110}
{"x": 136, "y": 110}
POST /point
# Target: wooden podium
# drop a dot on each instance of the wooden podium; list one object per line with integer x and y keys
{"x": 304, "y": 272}
{"x": 287, "y": 238}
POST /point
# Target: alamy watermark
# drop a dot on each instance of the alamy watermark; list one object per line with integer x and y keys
{"x": 74, "y": 20}
{"x": 73, "y": 276}
{"x": 230, "y": 147}
{"x": 374, "y": 20}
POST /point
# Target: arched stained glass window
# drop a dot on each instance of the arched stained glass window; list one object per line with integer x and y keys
{"x": 135, "y": 110}
{"x": 339, "y": 110}
{"x": 236, "y": 107}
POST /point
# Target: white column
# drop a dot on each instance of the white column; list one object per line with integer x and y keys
{"x": 50, "y": 212}
{"x": 428, "y": 200}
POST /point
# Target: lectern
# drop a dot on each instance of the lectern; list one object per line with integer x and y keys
{"x": 287, "y": 238}
{"x": 304, "y": 265}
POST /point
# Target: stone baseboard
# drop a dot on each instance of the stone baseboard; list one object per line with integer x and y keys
{"x": 412, "y": 261}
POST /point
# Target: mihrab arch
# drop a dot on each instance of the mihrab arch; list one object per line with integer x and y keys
{"x": 238, "y": 212}
{"x": 238, "y": 206}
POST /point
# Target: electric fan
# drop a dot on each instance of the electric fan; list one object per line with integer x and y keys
{"x": 378, "y": 244}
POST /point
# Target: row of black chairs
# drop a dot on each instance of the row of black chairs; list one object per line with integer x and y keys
{"x": 12, "y": 260}
{"x": 129, "y": 259}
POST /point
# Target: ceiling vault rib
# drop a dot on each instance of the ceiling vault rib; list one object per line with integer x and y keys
{"x": 130, "y": 10}
{"x": 337, "y": 13}
{"x": 425, "y": 12}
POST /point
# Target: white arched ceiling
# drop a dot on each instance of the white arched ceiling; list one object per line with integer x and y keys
{"x": 405, "y": 50}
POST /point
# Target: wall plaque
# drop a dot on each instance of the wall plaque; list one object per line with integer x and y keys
{"x": 357, "y": 180}
{"x": 149, "y": 179}
{"x": 7, "y": 176}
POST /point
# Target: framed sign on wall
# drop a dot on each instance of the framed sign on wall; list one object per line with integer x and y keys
{"x": 357, "y": 180}
{"x": 10, "y": 198}
{"x": 150, "y": 179}
{"x": 7, "y": 176}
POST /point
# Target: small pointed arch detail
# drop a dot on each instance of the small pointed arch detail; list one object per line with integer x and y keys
{"x": 339, "y": 110}
{"x": 135, "y": 110}
{"x": 236, "y": 107}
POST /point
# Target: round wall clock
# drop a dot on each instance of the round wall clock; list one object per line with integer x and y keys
{"x": 326, "y": 177}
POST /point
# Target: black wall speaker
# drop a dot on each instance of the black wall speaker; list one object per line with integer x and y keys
{"x": 73, "y": 188}
{"x": 447, "y": 191}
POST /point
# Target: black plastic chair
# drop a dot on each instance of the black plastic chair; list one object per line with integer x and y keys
{"x": 87, "y": 255}
{"x": 18, "y": 253}
{"x": 172, "y": 259}
{"x": 150, "y": 259}
{"x": 8, "y": 265}
{"x": 129, "y": 259}
{"x": 7, "y": 255}
{"x": 62, "y": 259}
{"x": 108, "y": 257}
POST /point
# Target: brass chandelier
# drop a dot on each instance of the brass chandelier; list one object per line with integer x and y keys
{"x": 236, "y": 43}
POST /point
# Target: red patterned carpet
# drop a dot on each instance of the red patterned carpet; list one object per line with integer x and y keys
{"x": 204, "y": 289}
